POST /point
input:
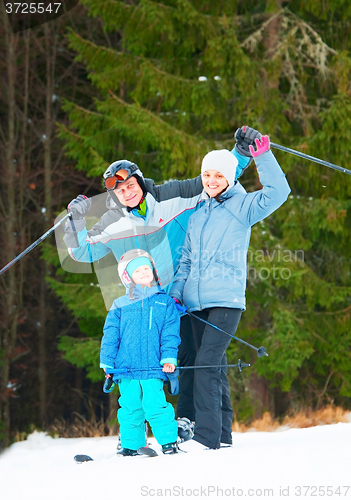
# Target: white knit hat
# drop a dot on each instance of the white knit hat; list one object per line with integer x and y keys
{"x": 223, "y": 161}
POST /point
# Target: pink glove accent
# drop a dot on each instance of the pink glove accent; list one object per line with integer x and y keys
{"x": 262, "y": 146}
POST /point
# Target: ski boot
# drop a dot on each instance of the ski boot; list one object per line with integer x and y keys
{"x": 170, "y": 448}
{"x": 126, "y": 452}
{"x": 185, "y": 429}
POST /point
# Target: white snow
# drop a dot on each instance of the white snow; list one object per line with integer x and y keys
{"x": 259, "y": 465}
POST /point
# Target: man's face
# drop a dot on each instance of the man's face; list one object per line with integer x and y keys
{"x": 129, "y": 193}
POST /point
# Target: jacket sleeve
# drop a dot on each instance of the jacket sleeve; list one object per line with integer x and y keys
{"x": 177, "y": 189}
{"x": 259, "y": 204}
{"x": 111, "y": 339}
{"x": 81, "y": 250}
{"x": 170, "y": 337}
{"x": 177, "y": 288}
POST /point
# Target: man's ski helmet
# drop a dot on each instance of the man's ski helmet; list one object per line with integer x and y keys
{"x": 127, "y": 258}
{"x": 120, "y": 171}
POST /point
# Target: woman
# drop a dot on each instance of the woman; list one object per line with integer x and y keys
{"x": 211, "y": 281}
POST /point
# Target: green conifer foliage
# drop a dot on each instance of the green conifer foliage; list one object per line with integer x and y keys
{"x": 174, "y": 79}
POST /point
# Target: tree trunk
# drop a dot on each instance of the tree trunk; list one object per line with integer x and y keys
{"x": 272, "y": 33}
{"x": 47, "y": 210}
{"x": 9, "y": 292}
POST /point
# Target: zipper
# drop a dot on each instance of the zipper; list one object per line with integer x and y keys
{"x": 201, "y": 239}
{"x": 150, "y": 318}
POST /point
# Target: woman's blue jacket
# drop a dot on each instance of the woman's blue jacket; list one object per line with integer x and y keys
{"x": 213, "y": 266}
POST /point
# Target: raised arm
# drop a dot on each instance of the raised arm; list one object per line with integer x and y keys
{"x": 76, "y": 235}
{"x": 253, "y": 207}
{"x": 175, "y": 189}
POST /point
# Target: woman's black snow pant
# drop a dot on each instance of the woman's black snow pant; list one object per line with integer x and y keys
{"x": 186, "y": 356}
{"x": 214, "y": 414}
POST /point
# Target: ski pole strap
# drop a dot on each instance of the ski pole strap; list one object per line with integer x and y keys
{"x": 109, "y": 385}
{"x": 311, "y": 158}
{"x": 172, "y": 383}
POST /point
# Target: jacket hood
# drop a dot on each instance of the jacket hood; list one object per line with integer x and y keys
{"x": 142, "y": 293}
{"x": 138, "y": 294}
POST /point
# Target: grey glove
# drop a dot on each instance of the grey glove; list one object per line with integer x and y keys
{"x": 79, "y": 207}
{"x": 74, "y": 226}
{"x": 245, "y": 137}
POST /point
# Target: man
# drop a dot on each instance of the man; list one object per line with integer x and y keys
{"x": 153, "y": 218}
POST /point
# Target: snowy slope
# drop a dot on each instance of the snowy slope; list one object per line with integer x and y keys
{"x": 259, "y": 465}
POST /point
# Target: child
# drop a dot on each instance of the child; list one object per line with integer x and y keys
{"x": 141, "y": 333}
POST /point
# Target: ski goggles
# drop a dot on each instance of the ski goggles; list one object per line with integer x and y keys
{"x": 120, "y": 176}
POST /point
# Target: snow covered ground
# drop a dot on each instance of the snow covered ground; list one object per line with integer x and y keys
{"x": 292, "y": 463}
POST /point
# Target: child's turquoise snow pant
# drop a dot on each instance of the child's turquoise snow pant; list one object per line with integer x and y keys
{"x": 142, "y": 400}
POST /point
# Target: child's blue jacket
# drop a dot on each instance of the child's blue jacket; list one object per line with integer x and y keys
{"x": 140, "y": 334}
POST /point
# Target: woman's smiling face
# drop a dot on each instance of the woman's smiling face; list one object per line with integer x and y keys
{"x": 213, "y": 182}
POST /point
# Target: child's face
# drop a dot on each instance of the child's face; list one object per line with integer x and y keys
{"x": 143, "y": 276}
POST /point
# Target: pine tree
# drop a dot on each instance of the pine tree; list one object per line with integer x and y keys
{"x": 174, "y": 79}
{"x": 37, "y": 70}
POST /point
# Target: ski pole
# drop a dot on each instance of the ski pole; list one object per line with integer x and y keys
{"x": 312, "y": 158}
{"x": 239, "y": 365}
{"x": 36, "y": 243}
{"x": 109, "y": 384}
{"x": 261, "y": 351}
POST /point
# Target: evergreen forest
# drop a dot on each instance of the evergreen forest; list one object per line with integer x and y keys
{"x": 161, "y": 84}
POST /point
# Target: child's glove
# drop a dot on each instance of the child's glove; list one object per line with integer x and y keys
{"x": 179, "y": 306}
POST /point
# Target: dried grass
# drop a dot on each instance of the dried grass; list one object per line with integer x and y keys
{"x": 81, "y": 427}
{"x": 301, "y": 420}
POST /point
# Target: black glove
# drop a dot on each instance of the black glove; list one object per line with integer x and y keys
{"x": 79, "y": 207}
{"x": 245, "y": 137}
